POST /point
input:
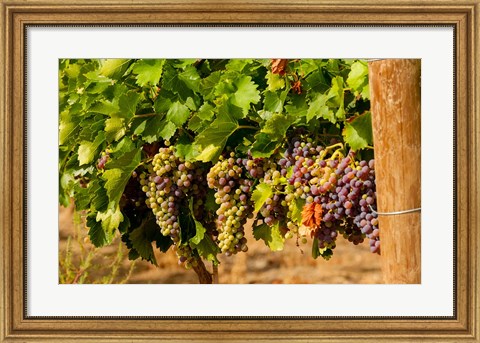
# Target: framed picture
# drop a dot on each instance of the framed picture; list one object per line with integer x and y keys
{"x": 42, "y": 40}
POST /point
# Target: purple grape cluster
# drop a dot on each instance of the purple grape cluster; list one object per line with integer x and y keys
{"x": 344, "y": 188}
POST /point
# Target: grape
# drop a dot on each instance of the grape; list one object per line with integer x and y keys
{"x": 167, "y": 183}
{"x": 232, "y": 194}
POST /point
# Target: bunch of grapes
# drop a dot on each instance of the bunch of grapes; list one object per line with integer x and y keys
{"x": 166, "y": 186}
{"x": 344, "y": 188}
{"x": 232, "y": 193}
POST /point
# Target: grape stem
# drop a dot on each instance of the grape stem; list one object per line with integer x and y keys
{"x": 328, "y": 148}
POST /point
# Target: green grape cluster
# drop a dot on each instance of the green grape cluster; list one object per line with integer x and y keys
{"x": 232, "y": 191}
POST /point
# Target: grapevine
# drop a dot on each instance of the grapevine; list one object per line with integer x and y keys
{"x": 188, "y": 154}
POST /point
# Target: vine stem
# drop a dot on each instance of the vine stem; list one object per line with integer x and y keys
{"x": 146, "y": 115}
{"x": 214, "y": 273}
{"x": 204, "y": 276}
{"x": 247, "y": 127}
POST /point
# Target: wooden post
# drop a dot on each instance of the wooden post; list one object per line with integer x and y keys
{"x": 395, "y": 107}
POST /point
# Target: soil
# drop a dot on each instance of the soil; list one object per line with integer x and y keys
{"x": 294, "y": 265}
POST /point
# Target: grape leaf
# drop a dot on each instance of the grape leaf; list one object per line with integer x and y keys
{"x": 210, "y": 142}
{"x": 148, "y": 71}
{"x": 264, "y": 145}
{"x": 117, "y": 177}
{"x": 190, "y": 78}
{"x": 274, "y": 81}
{"x": 113, "y": 67}
{"x": 206, "y": 111}
{"x": 168, "y": 130}
{"x": 277, "y": 125}
{"x": 104, "y": 107}
{"x": 208, "y": 84}
{"x": 297, "y": 105}
{"x": 317, "y": 82}
{"x": 110, "y": 219}
{"x": 183, "y": 147}
{"x": 114, "y": 129}
{"x": 358, "y": 76}
{"x": 68, "y": 129}
{"x": 336, "y": 97}
{"x": 208, "y": 249}
{"x": 246, "y": 93}
{"x": 358, "y": 131}
{"x": 98, "y": 236}
{"x": 272, "y": 102}
{"x": 319, "y": 109}
{"x": 153, "y": 128}
{"x": 141, "y": 241}
{"x": 127, "y": 104}
{"x": 297, "y": 210}
{"x": 178, "y": 114}
{"x": 180, "y": 83}
{"x": 88, "y": 150}
{"x": 261, "y": 193}
{"x": 271, "y": 235}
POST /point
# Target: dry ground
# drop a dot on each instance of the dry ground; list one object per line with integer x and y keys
{"x": 349, "y": 265}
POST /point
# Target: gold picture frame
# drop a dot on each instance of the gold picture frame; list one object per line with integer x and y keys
{"x": 463, "y": 16}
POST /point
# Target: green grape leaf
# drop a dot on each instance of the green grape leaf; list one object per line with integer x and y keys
{"x": 208, "y": 84}
{"x": 272, "y": 102}
{"x": 88, "y": 150}
{"x": 208, "y": 249}
{"x": 127, "y": 105}
{"x": 148, "y": 71}
{"x": 264, "y": 146}
{"x": 167, "y": 131}
{"x": 210, "y": 204}
{"x": 298, "y": 205}
{"x": 190, "y": 78}
{"x": 261, "y": 193}
{"x": 163, "y": 102}
{"x": 336, "y": 97}
{"x": 113, "y": 67}
{"x": 68, "y": 130}
{"x": 184, "y": 147}
{"x": 238, "y": 64}
{"x": 271, "y": 235}
{"x": 141, "y": 242}
{"x": 118, "y": 174}
{"x": 358, "y": 131}
{"x": 114, "y": 129}
{"x": 210, "y": 142}
{"x": 319, "y": 109}
{"x": 277, "y": 125}
{"x": 181, "y": 83}
{"x": 178, "y": 114}
{"x": 206, "y": 112}
{"x": 297, "y": 105}
{"x": 98, "y": 236}
{"x": 104, "y": 107}
{"x": 203, "y": 243}
{"x": 275, "y": 81}
{"x": 110, "y": 219}
{"x": 153, "y": 128}
{"x": 315, "y": 249}
{"x": 245, "y": 94}
{"x": 358, "y": 76}
{"x": 316, "y": 82}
